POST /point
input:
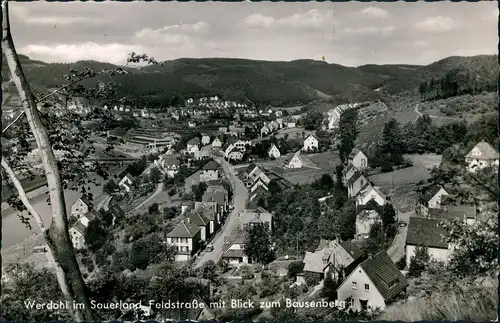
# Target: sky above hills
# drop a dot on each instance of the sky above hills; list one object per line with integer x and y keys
{"x": 350, "y": 33}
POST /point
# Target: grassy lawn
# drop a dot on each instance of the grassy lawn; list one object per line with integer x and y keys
{"x": 303, "y": 176}
{"x": 476, "y": 305}
{"x": 293, "y": 133}
{"x": 327, "y": 160}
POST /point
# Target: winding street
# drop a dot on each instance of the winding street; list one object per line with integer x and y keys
{"x": 240, "y": 196}
{"x": 397, "y": 249}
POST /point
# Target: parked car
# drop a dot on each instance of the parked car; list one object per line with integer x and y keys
{"x": 402, "y": 223}
{"x": 231, "y": 207}
{"x": 210, "y": 248}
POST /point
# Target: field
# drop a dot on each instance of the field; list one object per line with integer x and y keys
{"x": 293, "y": 133}
{"x": 371, "y": 132}
{"x": 410, "y": 175}
{"x": 303, "y": 176}
{"x": 476, "y": 305}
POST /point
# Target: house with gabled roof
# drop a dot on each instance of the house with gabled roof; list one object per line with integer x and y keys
{"x": 258, "y": 216}
{"x": 348, "y": 172}
{"x": 431, "y": 198}
{"x": 356, "y": 183}
{"x": 81, "y": 207}
{"x": 274, "y": 152}
{"x": 426, "y": 232}
{"x": 217, "y": 143}
{"x": 358, "y": 159}
{"x": 465, "y": 213}
{"x": 264, "y": 131}
{"x": 255, "y": 196}
{"x": 234, "y": 249}
{"x": 169, "y": 164}
{"x": 126, "y": 182}
{"x": 335, "y": 257}
{"x": 197, "y": 218}
{"x": 369, "y": 193}
{"x": 298, "y": 160}
{"x": 186, "y": 238}
{"x": 373, "y": 284}
{"x": 367, "y": 215}
{"x": 211, "y": 212}
{"x": 235, "y": 155}
{"x": 481, "y": 156}
{"x": 193, "y": 145}
{"x": 258, "y": 183}
{"x": 311, "y": 143}
{"x": 210, "y": 171}
{"x": 77, "y": 235}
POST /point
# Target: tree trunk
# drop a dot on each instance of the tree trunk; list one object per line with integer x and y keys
{"x": 57, "y": 236}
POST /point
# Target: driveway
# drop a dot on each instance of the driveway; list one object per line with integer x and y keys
{"x": 397, "y": 249}
{"x": 240, "y": 196}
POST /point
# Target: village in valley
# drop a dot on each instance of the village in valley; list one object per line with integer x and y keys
{"x": 352, "y": 207}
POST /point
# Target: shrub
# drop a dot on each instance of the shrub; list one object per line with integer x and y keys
{"x": 172, "y": 191}
{"x": 312, "y": 279}
{"x": 386, "y": 168}
{"x": 418, "y": 262}
{"x": 295, "y": 268}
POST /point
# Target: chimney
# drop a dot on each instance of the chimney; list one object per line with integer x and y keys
{"x": 370, "y": 255}
{"x": 337, "y": 239}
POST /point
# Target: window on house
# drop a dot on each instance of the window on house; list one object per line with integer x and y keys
{"x": 351, "y": 302}
{"x": 354, "y": 285}
{"x": 367, "y": 287}
{"x": 362, "y": 182}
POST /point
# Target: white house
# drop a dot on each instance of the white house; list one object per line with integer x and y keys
{"x": 311, "y": 143}
{"x": 356, "y": 184}
{"x": 235, "y": 154}
{"x": 205, "y": 139}
{"x": 339, "y": 255}
{"x": 169, "y": 164}
{"x": 426, "y": 232}
{"x": 186, "y": 238}
{"x": 431, "y": 199}
{"x": 273, "y": 152}
{"x": 193, "y": 145}
{"x": 81, "y": 207}
{"x": 77, "y": 235}
{"x": 242, "y": 144}
{"x": 259, "y": 216}
{"x": 210, "y": 171}
{"x": 373, "y": 283}
{"x": 264, "y": 131}
{"x": 358, "y": 159}
{"x": 370, "y": 193}
{"x": 229, "y": 149}
{"x": 234, "y": 250}
{"x": 367, "y": 215}
{"x": 481, "y": 156}
{"x": 348, "y": 172}
{"x": 217, "y": 143}
{"x": 298, "y": 160}
{"x": 78, "y": 229}
{"x": 126, "y": 182}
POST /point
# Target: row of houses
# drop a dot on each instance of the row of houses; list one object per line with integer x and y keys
{"x": 200, "y": 222}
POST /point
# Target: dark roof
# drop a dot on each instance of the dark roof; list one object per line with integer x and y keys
{"x": 194, "y": 141}
{"x": 86, "y": 201}
{"x": 353, "y": 153}
{"x": 184, "y": 230}
{"x": 461, "y": 212}
{"x": 258, "y": 192}
{"x": 197, "y": 218}
{"x": 347, "y": 168}
{"x": 80, "y": 227}
{"x": 429, "y": 194}
{"x": 250, "y": 168}
{"x": 385, "y": 275}
{"x": 354, "y": 178}
{"x": 369, "y": 206}
{"x": 353, "y": 250}
{"x": 116, "y": 210}
{"x": 425, "y": 232}
{"x": 212, "y": 165}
